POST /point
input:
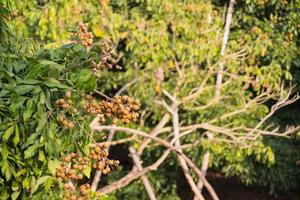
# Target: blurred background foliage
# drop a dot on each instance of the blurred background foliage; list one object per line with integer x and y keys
{"x": 152, "y": 37}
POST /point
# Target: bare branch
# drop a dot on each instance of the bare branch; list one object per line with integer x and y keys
{"x": 144, "y": 178}
{"x": 224, "y": 44}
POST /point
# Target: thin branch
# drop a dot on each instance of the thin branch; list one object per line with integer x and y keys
{"x": 144, "y": 178}
{"x": 98, "y": 173}
{"x": 223, "y": 48}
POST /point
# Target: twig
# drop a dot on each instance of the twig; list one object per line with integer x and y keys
{"x": 98, "y": 173}
{"x": 103, "y": 95}
{"x": 223, "y": 48}
{"x": 144, "y": 178}
{"x": 168, "y": 145}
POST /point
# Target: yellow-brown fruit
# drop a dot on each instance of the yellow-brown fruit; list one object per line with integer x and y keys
{"x": 79, "y": 167}
{"x": 116, "y": 162}
{"x": 70, "y": 125}
{"x": 67, "y": 194}
{"x": 73, "y": 197}
{"x": 84, "y": 167}
{"x": 74, "y": 110}
{"x": 129, "y": 100}
{"x": 105, "y": 153}
{"x": 65, "y": 122}
{"x": 92, "y": 152}
{"x": 68, "y": 94}
{"x": 80, "y": 176}
{"x": 84, "y": 192}
{"x": 86, "y": 159}
{"x": 110, "y": 162}
{"x": 105, "y": 145}
{"x": 61, "y": 118}
{"x": 66, "y": 106}
{"x": 95, "y": 157}
{"x": 97, "y": 149}
{"x": 67, "y": 186}
{"x": 67, "y": 159}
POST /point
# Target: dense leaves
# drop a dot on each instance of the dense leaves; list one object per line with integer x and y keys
{"x": 155, "y": 38}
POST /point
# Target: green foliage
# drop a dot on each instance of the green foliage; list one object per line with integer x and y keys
{"x": 155, "y": 38}
{"x": 32, "y": 140}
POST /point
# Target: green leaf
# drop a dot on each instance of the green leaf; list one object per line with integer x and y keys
{"x": 21, "y": 172}
{"x": 4, "y": 152}
{"x": 41, "y": 155}
{"x": 42, "y": 98}
{"x": 87, "y": 171}
{"x": 48, "y": 99}
{"x": 52, "y": 64}
{"x": 48, "y": 184}
{"x": 8, "y": 133}
{"x": 31, "y": 151}
{"x": 53, "y": 165}
{"x": 29, "y": 110}
{"x": 53, "y": 83}
{"x": 15, "y": 186}
{"x": 16, "y": 139}
{"x": 27, "y": 81}
{"x": 5, "y": 168}
{"x": 15, "y": 195}
{"x": 30, "y": 140}
{"x": 26, "y": 183}
{"x": 23, "y": 89}
{"x": 40, "y": 181}
{"x": 42, "y": 122}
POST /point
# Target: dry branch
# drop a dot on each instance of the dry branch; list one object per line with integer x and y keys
{"x": 144, "y": 178}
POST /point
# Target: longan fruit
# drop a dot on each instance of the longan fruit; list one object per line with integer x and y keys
{"x": 97, "y": 149}
{"x": 67, "y": 194}
{"x": 70, "y": 125}
{"x": 74, "y": 110}
{"x": 67, "y": 186}
{"x": 95, "y": 157}
{"x": 129, "y": 100}
{"x": 105, "y": 145}
{"x": 61, "y": 118}
{"x": 67, "y": 159}
{"x": 84, "y": 192}
{"x": 84, "y": 167}
{"x": 71, "y": 171}
{"x": 66, "y": 106}
{"x": 80, "y": 176}
{"x": 73, "y": 197}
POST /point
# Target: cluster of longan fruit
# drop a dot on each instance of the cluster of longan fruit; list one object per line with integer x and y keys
{"x": 72, "y": 167}
{"x": 67, "y": 105}
{"x": 64, "y": 121}
{"x": 121, "y": 108}
{"x": 103, "y": 164}
{"x": 83, "y": 35}
{"x": 72, "y": 194}
{"x": 108, "y": 59}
